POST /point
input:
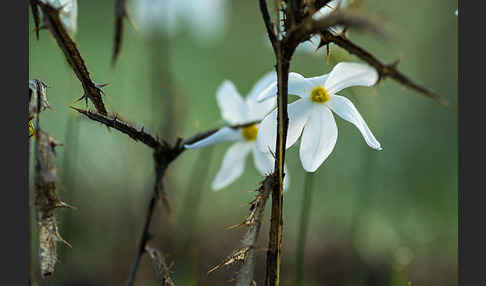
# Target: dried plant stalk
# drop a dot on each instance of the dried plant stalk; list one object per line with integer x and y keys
{"x": 246, "y": 253}
{"x": 160, "y": 266}
{"x": 47, "y": 201}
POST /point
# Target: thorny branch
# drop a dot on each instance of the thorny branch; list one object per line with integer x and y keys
{"x": 47, "y": 201}
{"x": 246, "y": 253}
{"x": 160, "y": 266}
{"x": 383, "y": 70}
{"x": 91, "y": 90}
{"x": 46, "y": 197}
{"x": 164, "y": 154}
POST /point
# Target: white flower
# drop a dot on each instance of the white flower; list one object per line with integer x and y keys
{"x": 236, "y": 110}
{"x": 328, "y": 9}
{"x": 312, "y": 112}
{"x": 457, "y": 10}
{"x": 205, "y": 19}
{"x": 68, "y": 14}
{"x": 312, "y": 44}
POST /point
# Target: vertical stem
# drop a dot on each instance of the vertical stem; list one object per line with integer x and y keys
{"x": 275, "y": 240}
{"x": 161, "y": 164}
{"x": 304, "y": 223}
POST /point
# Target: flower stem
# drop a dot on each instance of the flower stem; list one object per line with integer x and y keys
{"x": 304, "y": 223}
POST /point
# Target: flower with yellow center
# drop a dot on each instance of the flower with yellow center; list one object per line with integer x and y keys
{"x": 311, "y": 115}
{"x": 250, "y": 132}
{"x": 237, "y": 111}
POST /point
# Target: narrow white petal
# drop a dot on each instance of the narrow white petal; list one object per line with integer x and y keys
{"x": 264, "y": 162}
{"x": 318, "y": 139}
{"x": 233, "y": 108}
{"x": 222, "y": 135}
{"x": 267, "y": 133}
{"x": 344, "y": 75}
{"x": 258, "y": 110}
{"x": 286, "y": 181}
{"x": 297, "y": 85}
{"x": 298, "y": 112}
{"x": 347, "y": 111}
{"x": 232, "y": 166}
{"x": 324, "y": 11}
{"x": 262, "y": 84}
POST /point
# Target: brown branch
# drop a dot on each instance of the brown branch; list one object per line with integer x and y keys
{"x": 47, "y": 201}
{"x": 254, "y": 222}
{"x": 160, "y": 266}
{"x": 383, "y": 70}
{"x": 268, "y": 23}
{"x": 163, "y": 153}
{"x": 310, "y": 26}
{"x": 71, "y": 52}
{"x": 120, "y": 14}
{"x": 246, "y": 253}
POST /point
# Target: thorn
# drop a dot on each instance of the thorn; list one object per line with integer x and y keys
{"x": 79, "y": 99}
{"x": 59, "y": 238}
{"x": 61, "y": 204}
{"x": 101, "y": 85}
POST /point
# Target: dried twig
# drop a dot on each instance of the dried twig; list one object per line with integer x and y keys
{"x": 254, "y": 222}
{"x": 163, "y": 154}
{"x": 47, "y": 201}
{"x": 246, "y": 253}
{"x": 91, "y": 90}
{"x": 160, "y": 266}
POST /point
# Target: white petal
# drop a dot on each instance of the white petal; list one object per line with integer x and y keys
{"x": 298, "y": 112}
{"x": 344, "y": 75}
{"x": 286, "y": 181}
{"x": 324, "y": 11}
{"x": 233, "y": 108}
{"x": 347, "y": 111}
{"x": 68, "y": 14}
{"x": 261, "y": 84}
{"x": 222, "y": 135}
{"x": 267, "y": 133}
{"x": 258, "y": 110}
{"x": 264, "y": 162}
{"x": 232, "y": 166}
{"x": 297, "y": 85}
{"x": 318, "y": 139}
{"x": 318, "y": 80}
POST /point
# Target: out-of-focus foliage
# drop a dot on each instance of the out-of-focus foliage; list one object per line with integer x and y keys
{"x": 377, "y": 218}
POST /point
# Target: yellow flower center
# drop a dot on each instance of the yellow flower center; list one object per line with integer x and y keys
{"x": 320, "y": 95}
{"x": 250, "y": 132}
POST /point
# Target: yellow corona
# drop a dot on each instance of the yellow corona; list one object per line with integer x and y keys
{"x": 319, "y": 95}
{"x": 250, "y": 132}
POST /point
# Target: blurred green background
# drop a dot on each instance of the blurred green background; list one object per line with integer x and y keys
{"x": 377, "y": 218}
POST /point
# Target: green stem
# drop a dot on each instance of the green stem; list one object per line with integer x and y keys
{"x": 304, "y": 223}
